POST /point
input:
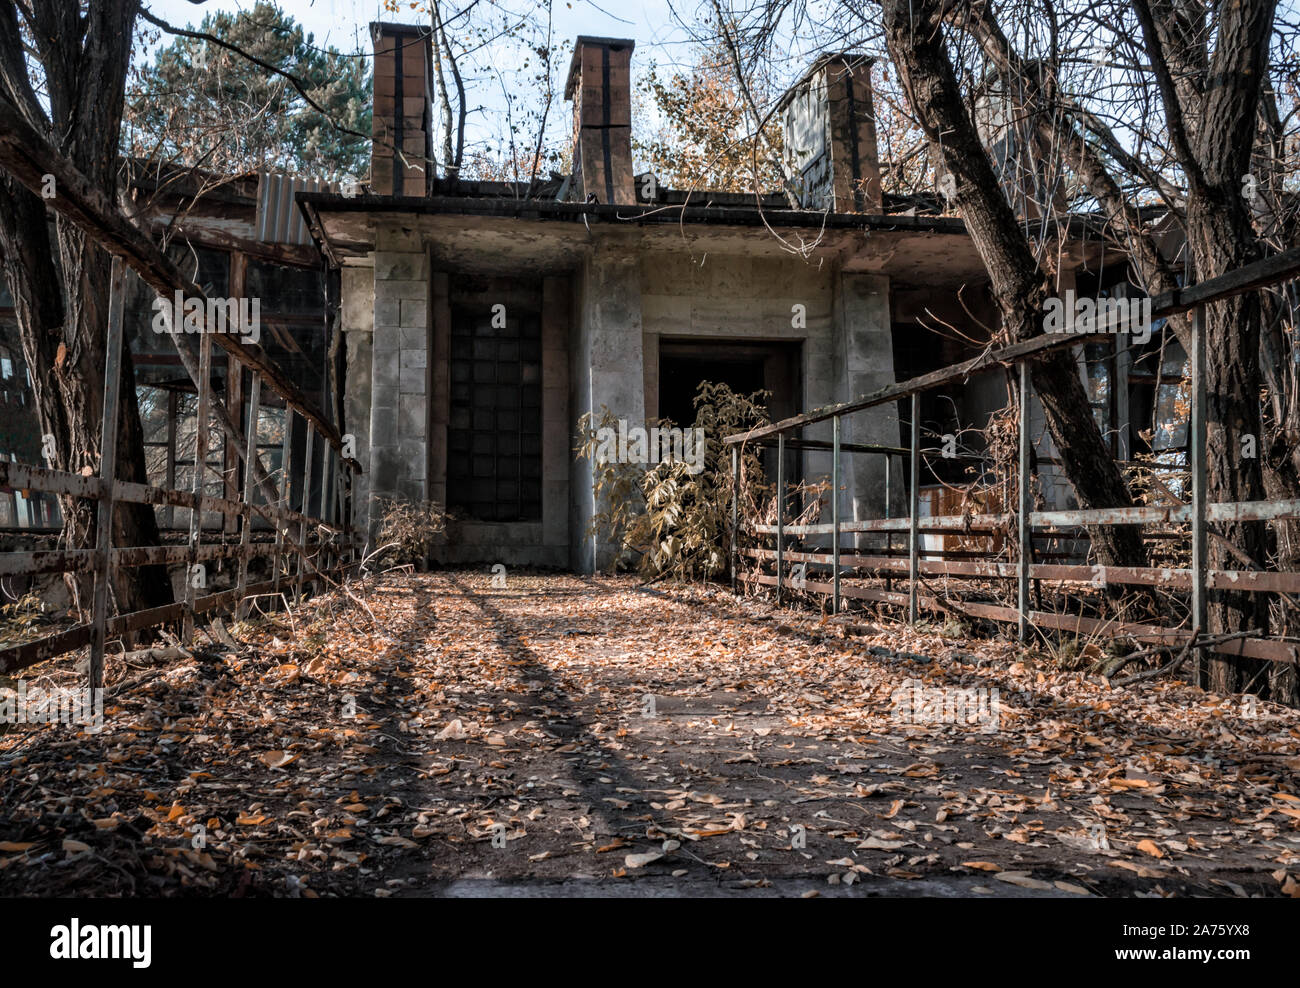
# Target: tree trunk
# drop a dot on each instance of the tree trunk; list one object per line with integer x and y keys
{"x": 1211, "y": 102}
{"x": 915, "y": 42}
{"x": 60, "y": 285}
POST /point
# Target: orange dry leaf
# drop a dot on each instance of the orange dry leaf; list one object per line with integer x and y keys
{"x": 277, "y": 759}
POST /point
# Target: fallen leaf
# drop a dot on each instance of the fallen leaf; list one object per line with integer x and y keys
{"x": 641, "y": 860}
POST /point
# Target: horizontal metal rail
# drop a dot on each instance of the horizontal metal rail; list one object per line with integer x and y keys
{"x": 957, "y": 524}
{"x": 1265, "y": 649}
{"x": 1261, "y": 581}
{"x": 1023, "y": 529}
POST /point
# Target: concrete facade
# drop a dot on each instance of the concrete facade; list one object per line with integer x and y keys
{"x": 617, "y": 283}
{"x": 602, "y": 323}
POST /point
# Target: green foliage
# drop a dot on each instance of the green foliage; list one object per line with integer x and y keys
{"x": 667, "y": 520}
{"x": 202, "y": 105}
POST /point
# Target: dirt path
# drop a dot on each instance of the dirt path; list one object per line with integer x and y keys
{"x": 564, "y": 736}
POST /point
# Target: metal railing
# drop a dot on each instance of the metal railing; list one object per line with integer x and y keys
{"x": 306, "y": 549}
{"x": 1197, "y": 514}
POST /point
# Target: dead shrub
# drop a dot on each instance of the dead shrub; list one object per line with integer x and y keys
{"x": 408, "y": 530}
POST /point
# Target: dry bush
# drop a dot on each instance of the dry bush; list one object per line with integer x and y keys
{"x": 668, "y": 521}
{"x": 408, "y": 529}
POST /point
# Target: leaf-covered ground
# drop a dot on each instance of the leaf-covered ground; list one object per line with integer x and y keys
{"x": 568, "y": 735}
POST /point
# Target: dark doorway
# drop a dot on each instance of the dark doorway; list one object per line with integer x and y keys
{"x": 743, "y": 367}
{"x": 680, "y": 376}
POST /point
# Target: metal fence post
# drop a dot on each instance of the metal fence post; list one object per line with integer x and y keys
{"x": 889, "y": 536}
{"x": 1025, "y": 532}
{"x": 735, "y": 511}
{"x": 780, "y": 512}
{"x": 200, "y": 466}
{"x": 835, "y": 513}
{"x": 282, "y": 503}
{"x": 302, "y": 525}
{"x": 913, "y": 536}
{"x": 343, "y": 515}
{"x": 1196, "y": 455}
{"x": 348, "y": 534}
{"x": 108, "y": 474}
{"x": 326, "y": 507}
{"x": 246, "y": 533}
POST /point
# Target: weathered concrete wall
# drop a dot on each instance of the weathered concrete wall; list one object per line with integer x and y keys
{"x": 399, "y": 412}
{"x": 754, "y": 299}
{"x": 844, "y": 329}
{"x": 358, "y": 319}
{"x": 607, "y": 370}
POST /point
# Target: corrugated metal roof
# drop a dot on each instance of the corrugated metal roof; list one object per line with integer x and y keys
{"x": 279, "y": 221}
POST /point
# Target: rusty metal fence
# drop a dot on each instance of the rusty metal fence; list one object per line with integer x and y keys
{"x": 1030, "y": 525}
{"x": 305, "y": 549}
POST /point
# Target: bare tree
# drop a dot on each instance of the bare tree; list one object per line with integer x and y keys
{"x": 63, "y": 69}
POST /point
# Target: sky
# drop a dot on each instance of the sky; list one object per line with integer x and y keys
{"x": 342, "y": 24}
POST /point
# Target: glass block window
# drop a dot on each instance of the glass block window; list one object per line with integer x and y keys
{"x": 494, "y": 462}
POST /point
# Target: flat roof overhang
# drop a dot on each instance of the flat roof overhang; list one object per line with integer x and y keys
{"x": 501, "y": 236}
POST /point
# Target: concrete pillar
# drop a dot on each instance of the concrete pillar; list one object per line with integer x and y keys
{"x": 607, "y": 370}
{"x": 440, "y": 386}
{"x": 1057, "y": 490}
{"x": 358, "y": 318}
{"x": 399, "y": 411}
{"x": 556, "y": 444}
{"x": 865, "y": 355}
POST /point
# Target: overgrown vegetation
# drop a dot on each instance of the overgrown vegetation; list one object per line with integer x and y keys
{"x": 408, "y": 530}
{"x": 666, "y": 520}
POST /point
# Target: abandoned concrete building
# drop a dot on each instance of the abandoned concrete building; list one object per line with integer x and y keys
{"x": 460, "y": 329}
{"x": 617, "y": 293}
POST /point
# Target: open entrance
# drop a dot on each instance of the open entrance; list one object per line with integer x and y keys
{"x": 743, "y": 367}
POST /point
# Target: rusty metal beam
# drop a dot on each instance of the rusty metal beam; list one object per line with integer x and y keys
{"x": 1255, "y": 648}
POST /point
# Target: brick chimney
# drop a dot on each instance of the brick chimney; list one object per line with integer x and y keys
{"x": 600, "y": 86}
{"x": 829, "y": 121}
{"x": 402, "y": 110}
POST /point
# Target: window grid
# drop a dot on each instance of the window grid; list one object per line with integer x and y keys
{"x": 494, "y": 461}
